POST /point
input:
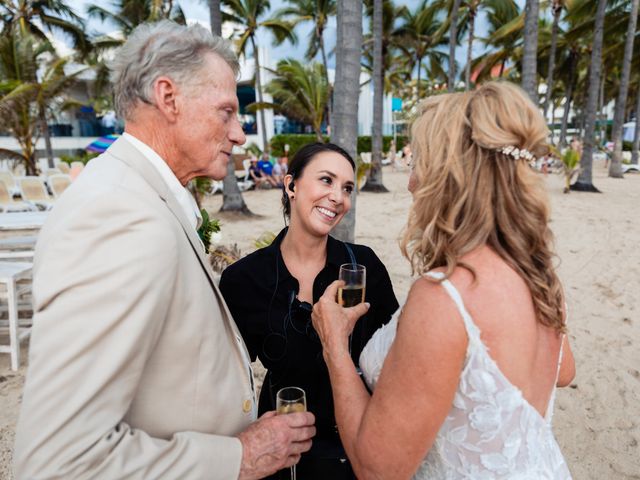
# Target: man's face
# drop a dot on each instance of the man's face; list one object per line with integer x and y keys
{"x": 208, "y": 125}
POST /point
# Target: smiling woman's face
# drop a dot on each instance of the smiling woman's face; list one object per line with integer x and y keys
{"x": 322, "y": 194}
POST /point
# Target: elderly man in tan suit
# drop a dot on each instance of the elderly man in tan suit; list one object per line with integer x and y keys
{"x": 137, "y": 369}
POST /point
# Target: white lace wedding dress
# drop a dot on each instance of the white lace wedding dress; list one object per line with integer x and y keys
{"x": 491, "y": 431}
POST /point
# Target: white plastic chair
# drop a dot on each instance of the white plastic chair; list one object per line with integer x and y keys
{"x": 58, "y": 183}
{"x": 10, "y": 274}
{"x": 8, "y": 204}
{"x": 10, "y": 181}
{"x": 34, "y": 191}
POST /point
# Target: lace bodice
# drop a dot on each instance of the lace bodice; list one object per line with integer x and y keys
{"x": 491, "y": 431}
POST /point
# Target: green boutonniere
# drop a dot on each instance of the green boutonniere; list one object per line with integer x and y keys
{"x": 208, "y": 227}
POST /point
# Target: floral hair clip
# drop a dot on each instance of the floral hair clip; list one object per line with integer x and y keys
{"x": 517, "y": 153}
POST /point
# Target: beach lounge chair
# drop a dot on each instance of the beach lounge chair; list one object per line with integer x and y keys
{"x": 10, "y": 181}
{"x": 8, "y": 204}
{"x": 246, "y": 183}
{"x": 63, "y": 167}
{"x": 58, "y": 183}
{"x": 34, "y": 191}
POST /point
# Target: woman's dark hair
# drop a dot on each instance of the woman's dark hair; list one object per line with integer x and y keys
{"x": 300, "y": 161}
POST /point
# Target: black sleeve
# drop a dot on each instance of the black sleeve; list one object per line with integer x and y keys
{"x": 380, "y": 291}
{"x": 234, "y": 289}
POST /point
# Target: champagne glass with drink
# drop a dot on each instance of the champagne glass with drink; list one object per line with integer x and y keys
{"x": 291, "y": 400}
{"x": 354, "y": 277}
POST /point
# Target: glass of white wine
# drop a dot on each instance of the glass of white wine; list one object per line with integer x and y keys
{"x": 354, "y": 277}
{"x": 291, "y": 400}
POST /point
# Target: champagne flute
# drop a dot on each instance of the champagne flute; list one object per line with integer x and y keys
{"x": 352, "y": 292}
{"x": 291, "y": 400}
{"x": 354, "y": 277}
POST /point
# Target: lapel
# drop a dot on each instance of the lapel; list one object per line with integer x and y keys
{"x": 131, "y": 156}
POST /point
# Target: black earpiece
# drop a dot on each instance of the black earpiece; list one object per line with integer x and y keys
{"x": 291, "y": 186}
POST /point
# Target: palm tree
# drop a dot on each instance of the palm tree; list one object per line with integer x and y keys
{"x": 529, "y": 57}
{"x": 585, "y": 179}
{"x": 215, "y": 17}
{"x": 556, "y": 8}
{"x": 232, "y": 199}
{"x": 374, "y": 181}
{"x": 422, "y": 31}
{"x": 25, "y": 98}
{"x": 300, "y": 92}
{"x": 249, "y": 14}
{"x": 504, "y": 38}
{"x": 453, "y": 41}
{"x": 347, "y": 86}
{"x": 636, "y": 133}
{"x": 471, "y": 10}
{"x": 52, "y": 15}
{"x": 615, "y": 169}
{"x": 128, "y": 14}
{"x": 318, "y": 12}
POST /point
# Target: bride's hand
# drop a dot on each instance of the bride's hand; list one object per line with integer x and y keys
{"x": 333, "y": 323}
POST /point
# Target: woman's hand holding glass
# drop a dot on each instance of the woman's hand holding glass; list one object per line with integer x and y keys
{"x": 334, "y": 323}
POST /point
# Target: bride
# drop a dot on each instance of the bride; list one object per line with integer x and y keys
{"x": 464, "y": 376}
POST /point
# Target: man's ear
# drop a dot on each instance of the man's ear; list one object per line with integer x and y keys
{"x": 165, "y": 92}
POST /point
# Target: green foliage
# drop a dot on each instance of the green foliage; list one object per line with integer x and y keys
{"x": 264, "y": 240}
{"x": 297, "y": 141}
{"x": 300, "y": 91}
{"x": 364, "y": 143}
{"x": 203, "y": 185}
{"x": 627, "y": 146}
{"x": 81, "y": 156}
{"x": 209, "y": 226}
{"x": 571, "y": 163}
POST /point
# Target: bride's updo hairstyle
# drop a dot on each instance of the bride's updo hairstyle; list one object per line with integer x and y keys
{"x": 474, "y": 186}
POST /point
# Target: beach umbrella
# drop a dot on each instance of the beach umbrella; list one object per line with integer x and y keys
{"x": 101, "y": 144}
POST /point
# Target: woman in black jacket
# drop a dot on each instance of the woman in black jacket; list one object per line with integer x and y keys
{"x": 270, "y": 294}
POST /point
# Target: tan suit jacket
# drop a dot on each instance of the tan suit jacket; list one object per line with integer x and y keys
{"x": 136, "y": 368}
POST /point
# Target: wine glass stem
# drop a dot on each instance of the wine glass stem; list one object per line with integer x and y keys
{"x": 293, "y": 472}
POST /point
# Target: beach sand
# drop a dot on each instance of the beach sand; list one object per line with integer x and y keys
{"x": 597, "y": 419}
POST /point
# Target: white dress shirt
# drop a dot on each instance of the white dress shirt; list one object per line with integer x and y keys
{"x": 182, "y": 194}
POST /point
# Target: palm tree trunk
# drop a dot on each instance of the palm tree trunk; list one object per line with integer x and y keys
{"x": 472, "y": 26}
{"x": 636, "y": 135}
{"x": 232, "y": 200}
{"x": 615, "y": 169}
{"x": 258, "y": 86}
{"x": 601, "y": 111}
{"x": 529, "y": 57}
{"x": 419, "y": 79}
{"x": 44, "y": 128}
{"x": 347, "y": 87}
{"x": 374, "y": 180}
{"x": 585, "y": 179}
{"x": 567, "y": 105}
{"x": 326, "y": 76}
{"x": 215, "y": 16}
{"x": 453, "y": 41}
{"x": 557, "y": 10}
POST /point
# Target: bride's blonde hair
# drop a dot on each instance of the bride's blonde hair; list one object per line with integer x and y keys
{"x": 468, "y": 193}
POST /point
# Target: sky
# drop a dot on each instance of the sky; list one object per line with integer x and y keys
{"x": 197, "y": 10}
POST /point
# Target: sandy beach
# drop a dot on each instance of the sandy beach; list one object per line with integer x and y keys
{"x": 597, "y": 419}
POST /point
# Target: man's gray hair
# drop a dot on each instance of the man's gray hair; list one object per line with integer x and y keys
{"x": 163, "y": 48}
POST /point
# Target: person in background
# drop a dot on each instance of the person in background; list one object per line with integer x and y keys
{"x": 280, "y": 170}
{"x": 284, "y": 279}
{"x": 136, "y": 367}
{"x": 266, "y": 168}
{"x": 464, "y": 376}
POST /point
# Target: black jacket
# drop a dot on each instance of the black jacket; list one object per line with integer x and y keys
{"x": 277, "y": 328}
